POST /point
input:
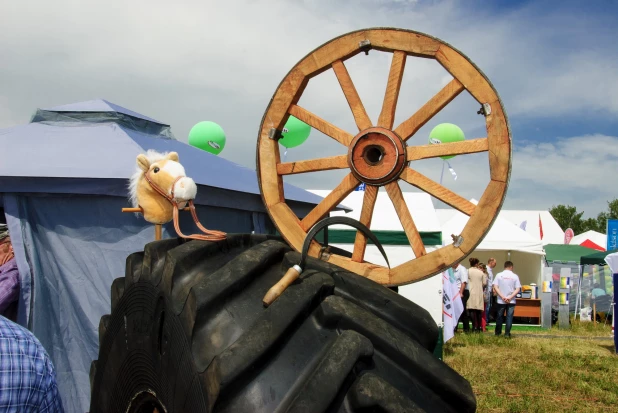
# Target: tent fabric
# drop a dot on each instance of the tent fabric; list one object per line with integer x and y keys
{"x": 590, "y": 244}
{"x": 347, "y": 236}
{"x": 596, "y": 258}
{"x": 63, "y": 182}
{"x": 612, "y": 260}
{"x": 384, "y": 216}
{"x": 74, "y": 248}
{"x": 108, "y": 151}
{"x": 99, "y": 106}
{"x": 552, "y": 233}
{"x": 590, "y": 237}
{"x": 528, "y": 220}
{"x": 502, "y": 236}
{"x": 566, "y": 252}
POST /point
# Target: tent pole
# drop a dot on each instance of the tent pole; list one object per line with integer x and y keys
{"x": 578, "y": 298}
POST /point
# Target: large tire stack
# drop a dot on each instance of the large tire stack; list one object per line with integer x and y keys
{"x": 188, "y": 333}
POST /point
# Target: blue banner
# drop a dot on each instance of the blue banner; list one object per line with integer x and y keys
{"x": 612, "y": 234}
{"x": 361, "y": 187}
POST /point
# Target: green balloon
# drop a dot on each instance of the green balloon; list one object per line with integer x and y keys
{"x": 446, "y": 133}
{"x": 295, "y": 132}
{"x": 207, "y": 136}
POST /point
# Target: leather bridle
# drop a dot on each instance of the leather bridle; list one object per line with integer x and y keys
{"x": 211, "y": 235}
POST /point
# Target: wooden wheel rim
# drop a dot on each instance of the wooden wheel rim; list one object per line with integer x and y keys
{"x": 402, "y": 43}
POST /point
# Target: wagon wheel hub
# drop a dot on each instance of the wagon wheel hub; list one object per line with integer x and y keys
{"x": 377, "y": 156}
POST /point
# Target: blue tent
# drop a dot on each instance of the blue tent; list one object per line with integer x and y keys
{"x": 63, "y": 182}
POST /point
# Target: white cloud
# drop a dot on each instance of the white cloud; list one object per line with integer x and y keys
{"x": 183, "y": 62}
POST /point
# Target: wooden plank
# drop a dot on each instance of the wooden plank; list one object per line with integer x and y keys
{"x": 369, "y": 201}
{"x": 409, "y": 42}
{"x": 414, "y": 237}
{"x": 330, "y": 201}
{"x": 341, "y": 48}
{"x": 391, "y": 96}
{"x": 288, "y": 224}
{"x": 351, "y": 95}
{"x": 288, "y": 93}
{"x": 271, "y": 183}
{"x": 320, "y": 124}
{"x": 426, "y": 266}
{"x": 313, "y": 165}
{"x": 437, "y": 191}
{"x": 416, "y": 153}
{"x": 481, "y": 219}
{"x": 464, "y": 71}
{"x": 369, "y": 270}
{"x": 499, "y": 144}
{"x": 411, "y": 125}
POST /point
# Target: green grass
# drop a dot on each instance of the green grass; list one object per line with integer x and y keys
{"x": 587, "y": 329}
{"x": 537, "y": 374}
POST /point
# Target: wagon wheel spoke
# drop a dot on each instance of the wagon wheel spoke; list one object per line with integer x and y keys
{"x": 437, "y": 191}
{"x": 414, "y": 237}
{"x": 313, "y": 165}
{"x": 447, "y": 149}
{"x": 410, "y": 126}
{"x": 330, "y": 201}
{"x": 351, "y": 95}
{"x": 389, "y": 106}
{"x": 320, "y": 124}
{"x": 369, "y": 201}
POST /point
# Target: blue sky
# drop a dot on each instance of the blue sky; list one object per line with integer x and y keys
{"x": 554, "y": 64}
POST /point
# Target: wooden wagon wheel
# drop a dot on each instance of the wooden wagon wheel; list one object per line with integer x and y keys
{"x": 378, "y": 154}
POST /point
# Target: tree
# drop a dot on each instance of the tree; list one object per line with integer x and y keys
{"x": 567, "y": 217}
{"x": 591, "y": 224}
{"x": 611, "y": 213}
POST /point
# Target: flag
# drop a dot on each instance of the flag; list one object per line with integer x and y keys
{"x": 540, "y": 226}
{"x": 452, "y": 306}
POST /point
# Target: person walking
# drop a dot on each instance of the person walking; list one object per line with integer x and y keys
{"x": 477, "y": 280}
{"x": 461, "y": 277}
{"x": 507, "y": 285}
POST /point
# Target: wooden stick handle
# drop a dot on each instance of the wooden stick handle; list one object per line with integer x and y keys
{"x": 141, "y": 210}
{"x": 276, "y": 290}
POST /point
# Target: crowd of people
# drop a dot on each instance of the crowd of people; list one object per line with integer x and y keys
{"x": 486, "y": 297}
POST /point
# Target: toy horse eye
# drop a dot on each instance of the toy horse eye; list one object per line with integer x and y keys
{"x": 156, "y": 169}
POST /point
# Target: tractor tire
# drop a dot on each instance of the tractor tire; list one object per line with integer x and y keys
{"x": 188, "y": 333}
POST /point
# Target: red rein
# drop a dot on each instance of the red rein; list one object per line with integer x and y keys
{"x": 210, "y": 234}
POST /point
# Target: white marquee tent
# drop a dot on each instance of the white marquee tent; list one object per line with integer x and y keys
{"x": 386, "y": 225}
{"x": 585, "y": 238}
{"x": 504, "y": 241}
{"x": 552, "y": 233}
{"x": 527, "y": 220}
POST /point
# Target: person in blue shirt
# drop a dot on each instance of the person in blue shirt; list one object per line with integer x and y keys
{"x": 27, "y": 375}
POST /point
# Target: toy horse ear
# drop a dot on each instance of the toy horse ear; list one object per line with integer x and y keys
{"x": 143, "y": 162}
{"x": 172, "y": 156}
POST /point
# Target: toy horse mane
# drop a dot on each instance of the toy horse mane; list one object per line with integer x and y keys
{"x": 152, "y": 156}
{"x": 159, "y": 188}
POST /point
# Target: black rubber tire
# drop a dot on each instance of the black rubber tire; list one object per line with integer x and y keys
{"x": 188, "y": 333}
